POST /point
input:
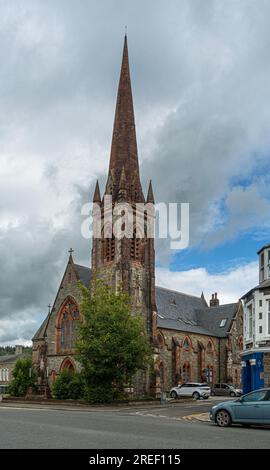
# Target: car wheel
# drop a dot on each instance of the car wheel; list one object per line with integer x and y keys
{"x": 223, "y": 418}
{"x": 174, "y": 394}
{"x": 232, "y": 394}
{"x": 196, "y": 396}
{"x": 213, "y": 394}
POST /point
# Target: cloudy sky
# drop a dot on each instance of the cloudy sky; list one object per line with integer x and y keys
{"x": 201, "y": 86}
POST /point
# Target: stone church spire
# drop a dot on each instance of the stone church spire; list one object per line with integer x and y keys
{"x": 124, "y": 152}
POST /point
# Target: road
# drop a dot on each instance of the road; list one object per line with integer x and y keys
{"x": 151, "y": 427}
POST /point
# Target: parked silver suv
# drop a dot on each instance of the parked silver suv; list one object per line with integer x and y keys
{"x": 194, "y": 390}
{"x": 224, "y": 389}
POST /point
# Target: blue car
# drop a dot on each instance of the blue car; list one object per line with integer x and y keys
{"x": 252, "y": 408}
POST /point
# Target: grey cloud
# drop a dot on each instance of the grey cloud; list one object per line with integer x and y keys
{"x": 201, "y": 82}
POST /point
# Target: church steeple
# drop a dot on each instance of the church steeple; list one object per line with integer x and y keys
{"x": 124, "y": 152}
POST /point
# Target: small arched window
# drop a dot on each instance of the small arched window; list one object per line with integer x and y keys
{"x": 67, "y": 327}
{"x": 186, "y": 343}
{"x": 210, "y": 347}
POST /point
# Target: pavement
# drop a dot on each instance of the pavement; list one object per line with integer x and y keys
{"x": 170, "y": 426}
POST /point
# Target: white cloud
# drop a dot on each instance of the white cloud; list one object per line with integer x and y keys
{"x": 229, "y": 285}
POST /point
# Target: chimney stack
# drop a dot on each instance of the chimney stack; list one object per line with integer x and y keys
{"x": 18, "y": 349}
{"x": 214, "y": 302}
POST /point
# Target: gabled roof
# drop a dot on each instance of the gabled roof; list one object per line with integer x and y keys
{"x": 84, "y": 274}
{"x": 14, "y": 357}
{"x": 263, "y": 285}
{"x": 188, "y": 313}
{"x": 212, "y": 317}
{"x": 41, "y": 331}
{"x": 176, "y": 310}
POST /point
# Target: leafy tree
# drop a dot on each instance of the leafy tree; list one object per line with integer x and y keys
{"x": 22, "y": 379}
{"x": 7, "y": 350}
{"x": 112, "y": 344}
{"x": 68, "y": 385}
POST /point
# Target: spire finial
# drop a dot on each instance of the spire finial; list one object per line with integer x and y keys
{"x": 97, "y": 197}
{"x": 70, "y": 255}
{"x": 150, "y": 194}
{"x": 125, "y": 30}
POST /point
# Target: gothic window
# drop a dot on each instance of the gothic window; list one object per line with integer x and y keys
{"x": 209, "y": 374}
{"x": 67, "y": 327}
{"x": 210, "y": 348}
{"x": 186, "y": 343}
{"x": 186, "y": 372}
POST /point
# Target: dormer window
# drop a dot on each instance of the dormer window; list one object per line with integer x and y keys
{"x": 223, "y": 322}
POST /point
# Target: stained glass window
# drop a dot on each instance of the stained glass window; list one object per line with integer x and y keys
{"x": 68, "y": 318}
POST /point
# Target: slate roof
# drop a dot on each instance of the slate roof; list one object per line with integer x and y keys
{"x": 41, "y": 331}
{"x": 262, "y": 285}
{"x": 14, "y": 357}
{"x": 184, "y": 312}
{"x": 212, "y": 317}
{"x": 84, "y": 274}
{"x": 176, "y": 310}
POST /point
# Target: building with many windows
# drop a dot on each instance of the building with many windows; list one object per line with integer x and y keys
{"x": 7, "y": 364}
{"x": 256, "y": 354}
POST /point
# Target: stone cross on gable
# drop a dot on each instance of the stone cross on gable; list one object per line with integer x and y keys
{"x": 71, "y": 251}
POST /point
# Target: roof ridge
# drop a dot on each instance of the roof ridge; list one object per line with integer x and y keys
{"x": 81, "y": 266}
{"x": 178, "y": 292}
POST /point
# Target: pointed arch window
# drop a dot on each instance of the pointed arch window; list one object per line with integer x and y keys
{"x": 186, "y": 343}
{"x": 210, "y": 347}
{"x": 67, "y": 327}
{"x": 109, "y": 248}
{"x": 186, "y": 373}
{"x": 209, "y": 374}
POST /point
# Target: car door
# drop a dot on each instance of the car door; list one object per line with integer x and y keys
{"x": 225, "y": 390}
{"x": 265, "y": 409}
{"x": 218, "y": 391}
{"x": 183, "y": 392}
{"x": 252, "y": 407}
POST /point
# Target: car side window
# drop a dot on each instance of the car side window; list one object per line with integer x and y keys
{"x": 217, "y": 386}
{"x": 256, "y": 396}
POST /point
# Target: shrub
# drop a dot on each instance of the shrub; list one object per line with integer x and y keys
{"x": 21, "y": 378}
{"x": 68, "y": 385}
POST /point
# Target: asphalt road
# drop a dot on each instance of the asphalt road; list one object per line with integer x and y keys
{"x": 152, "y": 428}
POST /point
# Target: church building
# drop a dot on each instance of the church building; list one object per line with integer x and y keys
{"x": 192, "y": 341}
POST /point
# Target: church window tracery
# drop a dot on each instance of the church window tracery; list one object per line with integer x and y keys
{"x": 68, "y": 318}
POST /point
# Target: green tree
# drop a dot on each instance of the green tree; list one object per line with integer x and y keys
{"x": 112, "y": 344}
{"x": 22, "y": 378}
{"x": 68, "y": 385}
